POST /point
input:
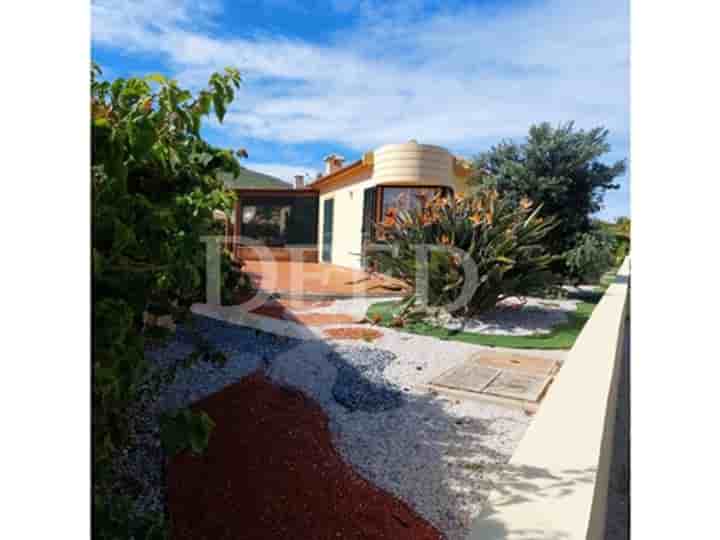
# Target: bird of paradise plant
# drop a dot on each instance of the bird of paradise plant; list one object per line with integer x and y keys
{"x": 502, "y": 240}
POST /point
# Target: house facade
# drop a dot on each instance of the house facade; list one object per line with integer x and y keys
{"x": 330, "y": 220}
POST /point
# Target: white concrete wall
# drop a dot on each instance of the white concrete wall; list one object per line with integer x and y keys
{"x": 407, "y": 163}
{"x": 556, "y": 483}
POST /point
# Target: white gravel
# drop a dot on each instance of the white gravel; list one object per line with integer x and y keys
{"x": 511, "y": 318}
{"x": 438, "y": 454}
{"x": 356, "y": 307}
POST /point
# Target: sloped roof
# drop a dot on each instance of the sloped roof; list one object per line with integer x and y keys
{"x": 328, "y": 178}
{"x": 249, "y": 179}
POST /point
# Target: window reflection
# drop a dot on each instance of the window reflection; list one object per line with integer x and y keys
{"x": 395, "y": 199}
{"x": 267, "y": 223}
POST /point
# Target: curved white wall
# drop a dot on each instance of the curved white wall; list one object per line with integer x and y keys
{"x": 413, "y": 163}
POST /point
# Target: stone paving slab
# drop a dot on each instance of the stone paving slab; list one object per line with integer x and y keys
{"x": 468, "y": 376}
{"x": 514, "y": 377}
{"x": 516, "y": 385}
{"x": 517, "y": 362}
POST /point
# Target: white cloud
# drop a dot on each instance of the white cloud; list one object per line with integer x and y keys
{"x": 455, "y": 78}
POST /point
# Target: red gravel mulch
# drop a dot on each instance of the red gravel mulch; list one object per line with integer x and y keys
{"x": 304, "y": 305}
{"x": 366, "y": 334}
{"x": 321, "y": 319}
{"x": 271, "y": 472}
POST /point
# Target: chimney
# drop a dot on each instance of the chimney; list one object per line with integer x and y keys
{"x": 299, "y": 181}
{"x": 333, "y": 162}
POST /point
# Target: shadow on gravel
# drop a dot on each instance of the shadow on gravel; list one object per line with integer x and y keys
{"x": 521, "y": 484}
{"x": 413, "y": 445}
{"x": 394, "y": 440}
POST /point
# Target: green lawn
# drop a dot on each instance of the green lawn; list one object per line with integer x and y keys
{"x": 562, "y": 336}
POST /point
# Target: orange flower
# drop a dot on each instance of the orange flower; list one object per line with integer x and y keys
{"x": 427, "y": 217}
{"x": 477, "y": 218}
{"x": 525, "y": 203}
{"x": 390, "y": 217}
{"x": 444, "y": 239}
{"x": 490, "y": 214}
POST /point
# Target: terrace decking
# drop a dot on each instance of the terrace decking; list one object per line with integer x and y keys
{"x": 312, "y": 280}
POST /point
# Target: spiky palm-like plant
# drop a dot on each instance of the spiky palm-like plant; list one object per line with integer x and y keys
{"x": 436, "y": 247}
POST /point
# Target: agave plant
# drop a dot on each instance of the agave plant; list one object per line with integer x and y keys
{"x": 465, "y": 254}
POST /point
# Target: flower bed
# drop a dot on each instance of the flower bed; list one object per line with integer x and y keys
{"x": 560, "y": 335}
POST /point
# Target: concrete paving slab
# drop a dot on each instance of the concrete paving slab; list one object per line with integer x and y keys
{"x": 469, "y": 376}
{"x": 513, "y": 384}
{"x": 532, "y": 365}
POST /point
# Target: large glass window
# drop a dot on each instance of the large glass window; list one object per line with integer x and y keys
{"x": 407, "y": 198}
{"x": 277, "y": 221}
{"x": 266, "y": 222}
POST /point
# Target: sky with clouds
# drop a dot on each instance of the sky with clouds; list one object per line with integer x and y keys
{"x": 347, "y": 76}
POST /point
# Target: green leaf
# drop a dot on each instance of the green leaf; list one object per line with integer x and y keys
{"x": 101, "y": 123}
{"x": 219, "y": 106}
{"x": 153, "y": 194}
{"x": 156, "y": 77}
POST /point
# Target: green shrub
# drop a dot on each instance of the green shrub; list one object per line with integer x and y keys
{"x": 622, "y": 249}
{"x": 115, "y": 519}
{"x": 559, "y": 167}
{"x": 154, "y": 189}
{"x": 176, "y": 426}
{"x": 502, "y": 240}
{"x": 593, "y": 255}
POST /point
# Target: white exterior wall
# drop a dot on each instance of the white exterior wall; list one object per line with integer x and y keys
{"x": 347, "y": 222}
{"x": 407, "y": 163}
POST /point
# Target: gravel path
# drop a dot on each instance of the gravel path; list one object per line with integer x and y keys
{"x": 438, "y": 454}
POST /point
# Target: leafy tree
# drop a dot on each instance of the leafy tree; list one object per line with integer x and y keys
{"x": 558, "y": 168}
{"x": 620, "y": 233}
{"x": 622, "y": 226}
{"x": 594, "y": 253}
{"x": 154, "y": 188}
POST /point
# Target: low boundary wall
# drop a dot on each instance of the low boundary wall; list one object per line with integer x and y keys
{"x": 556, "y": 483}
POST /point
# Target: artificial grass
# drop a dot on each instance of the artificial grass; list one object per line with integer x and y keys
{"x": 562, "y": 336}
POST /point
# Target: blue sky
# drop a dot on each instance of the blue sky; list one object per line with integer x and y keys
{"x": 347, "y": 76}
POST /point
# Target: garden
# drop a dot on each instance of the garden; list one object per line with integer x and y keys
{"x": 337, "y": 438}
{"x": 518, "y": 262}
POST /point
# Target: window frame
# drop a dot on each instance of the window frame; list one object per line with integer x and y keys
{"x": 380, "y": 197}
{"x": 276, "y": 198}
